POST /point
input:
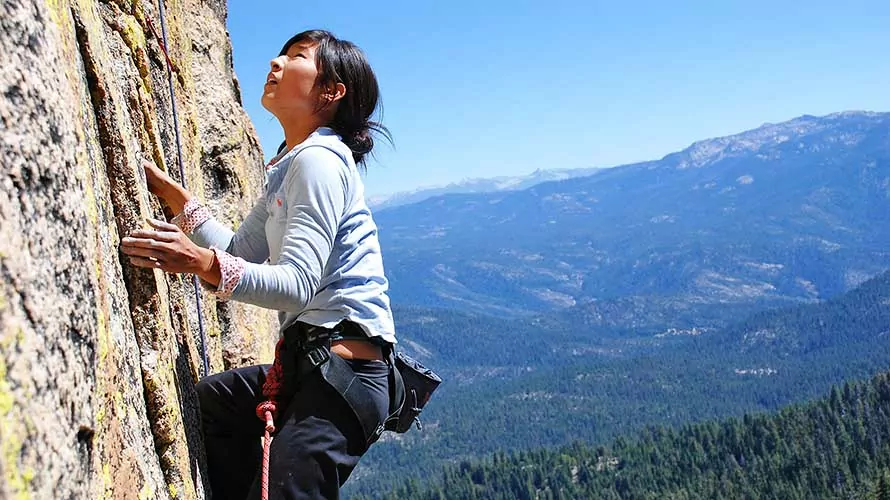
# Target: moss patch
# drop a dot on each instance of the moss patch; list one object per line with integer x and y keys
{"x": 17, "y": 483}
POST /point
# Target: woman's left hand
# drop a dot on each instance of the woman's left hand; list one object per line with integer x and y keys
{"x": 166, "y": 248}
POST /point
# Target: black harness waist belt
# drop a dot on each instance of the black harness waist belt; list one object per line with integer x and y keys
{"x": 311, "y": 348}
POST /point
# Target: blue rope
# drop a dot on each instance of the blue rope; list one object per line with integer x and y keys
{"x": 195, "y": 283}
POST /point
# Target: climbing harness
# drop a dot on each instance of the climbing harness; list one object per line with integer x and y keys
{"x": 301, "y": 350}
{"x": 304, "y": 348}
{"x": 162, "y": 41}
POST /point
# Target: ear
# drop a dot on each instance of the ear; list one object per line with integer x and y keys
{"x": 335, "y": 93}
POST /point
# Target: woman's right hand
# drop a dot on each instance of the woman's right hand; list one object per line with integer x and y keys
{"x": 159, "y": 183}
{"x": 164, "y": 187}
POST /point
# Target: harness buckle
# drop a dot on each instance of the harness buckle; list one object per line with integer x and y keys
{"x": 318, "y": 356}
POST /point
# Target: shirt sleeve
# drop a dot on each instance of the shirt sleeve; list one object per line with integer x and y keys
{"x": 248, "y": 243}
{"x": 193, "y": 214}
{"x": 230, "y": 270}
{"x": 315, "y": 189}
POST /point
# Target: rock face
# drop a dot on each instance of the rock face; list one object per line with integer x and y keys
{"x": 98, "y": 359}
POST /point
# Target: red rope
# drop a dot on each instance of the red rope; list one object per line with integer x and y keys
{"x": 267, "y": 442}
{"x": 268, "y": 410}
{"x": 151, "y": 27}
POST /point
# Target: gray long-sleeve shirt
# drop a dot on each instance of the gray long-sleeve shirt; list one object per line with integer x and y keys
{"x": 314, "y": 227}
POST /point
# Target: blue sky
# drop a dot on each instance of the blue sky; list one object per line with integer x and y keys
{"x": 489, "y": 88}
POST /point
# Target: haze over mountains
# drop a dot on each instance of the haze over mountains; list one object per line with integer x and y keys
{"x": 478, "y": 185}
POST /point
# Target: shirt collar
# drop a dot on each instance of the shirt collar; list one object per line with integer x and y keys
{"x": 319, "y": 132}
{"x": 324, "y": 131}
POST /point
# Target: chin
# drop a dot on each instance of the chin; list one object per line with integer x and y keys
{"x": 266, "y": 102}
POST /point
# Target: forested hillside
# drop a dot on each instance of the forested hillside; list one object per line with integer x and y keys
{"x": 838, "y": 447}
{"x": 559, "y": 389}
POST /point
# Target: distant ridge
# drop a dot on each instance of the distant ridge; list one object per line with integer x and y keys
{"x": 478, "y": 185}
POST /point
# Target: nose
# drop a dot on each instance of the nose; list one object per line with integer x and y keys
{"x": 276, "y": 64}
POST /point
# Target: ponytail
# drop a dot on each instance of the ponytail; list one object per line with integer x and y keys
{"x": 360, "y": 139}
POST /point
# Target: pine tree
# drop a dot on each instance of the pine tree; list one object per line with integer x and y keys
{"x": 882, "y": 492}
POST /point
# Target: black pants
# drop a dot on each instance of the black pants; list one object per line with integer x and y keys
{"x": 318, "y": 439}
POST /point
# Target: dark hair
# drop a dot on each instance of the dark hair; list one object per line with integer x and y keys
{"x": 340, "y": 61}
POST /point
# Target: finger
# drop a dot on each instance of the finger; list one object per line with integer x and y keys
{"x": 148, "y": 234}
{"x": 143, "y": 252}
{"x": 151, "y": 168}
{"x": 143, "y": 262}
{"x": 159, "y": 224}
{"x": 130, "y": 242}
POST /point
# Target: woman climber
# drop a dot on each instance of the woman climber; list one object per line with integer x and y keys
{"x": 324, "y": 276}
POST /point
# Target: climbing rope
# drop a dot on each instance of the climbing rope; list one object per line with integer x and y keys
{"x": 162, "y": 41}
{"x": 267, "y": 411}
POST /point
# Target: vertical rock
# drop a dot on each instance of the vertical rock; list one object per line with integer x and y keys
{"x": 231, "y": 163}
{"x": 98, "y": 359}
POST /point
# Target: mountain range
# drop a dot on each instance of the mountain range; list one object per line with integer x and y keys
{"x": 741, "y": 274}
{"x": 785, "y": 213}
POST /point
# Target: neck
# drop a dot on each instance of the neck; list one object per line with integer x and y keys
{"x": 297, "y": 131}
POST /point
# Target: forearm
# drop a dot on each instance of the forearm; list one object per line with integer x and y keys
{"x": 176, "y": 197}
{"x": 208, "y": 267}
{"x": 198, "y": 224}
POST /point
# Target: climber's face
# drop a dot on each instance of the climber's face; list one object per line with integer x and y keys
{"x": 291, "y": 92}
